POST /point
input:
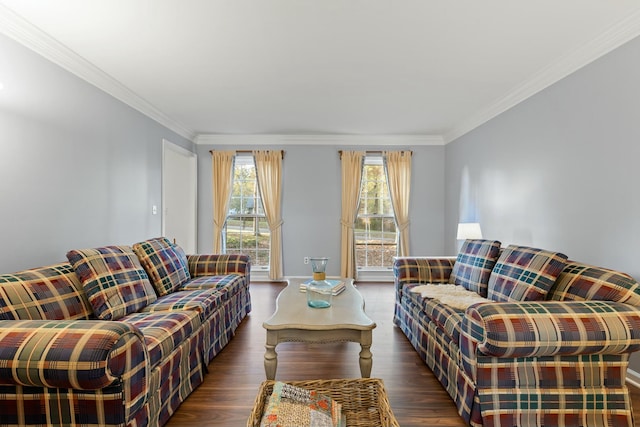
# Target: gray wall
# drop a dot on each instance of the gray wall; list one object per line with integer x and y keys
{"x": 560, "y": 170}
{"x": 311, "y": 202}
{"x": 78, "y": 168}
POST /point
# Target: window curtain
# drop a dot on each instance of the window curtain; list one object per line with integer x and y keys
{"x": 269, "y": 174}
{"x": 397, "y": 164}
{"x": 351, "y": 176}
{"x": 222, "y": 181}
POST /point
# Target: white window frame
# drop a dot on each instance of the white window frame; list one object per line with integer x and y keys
{"x": 255, "y": 217}
{"x": 372, "y": 273}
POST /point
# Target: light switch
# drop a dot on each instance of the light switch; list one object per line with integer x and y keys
{"x": 154, "y": 209}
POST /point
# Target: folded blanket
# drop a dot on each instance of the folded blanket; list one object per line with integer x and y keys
{"x": 291, "y": 406}
{"x": 454, "y": 296}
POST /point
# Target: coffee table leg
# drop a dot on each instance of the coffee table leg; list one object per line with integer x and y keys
{"x": 270, "y": 355}
{"x": 365, "y": 354}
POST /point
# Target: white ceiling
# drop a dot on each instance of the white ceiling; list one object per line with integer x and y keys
{"x": 362, "y": 67}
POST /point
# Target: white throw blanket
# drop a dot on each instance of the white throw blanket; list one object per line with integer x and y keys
{"x": 454, "y": 296}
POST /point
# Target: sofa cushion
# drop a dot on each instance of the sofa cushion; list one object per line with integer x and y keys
{"x": 524, "y": 274}
{"x": 447, "y": 318}
{"x": 228, "y": 284}
{"x": 115, "y": 282}
{"x": 583, "y": 282}
{"x": 204, "y": 301}
{"x": 164, "y": 262}
{"x": 474, "y": 264}
{"x": 44, "y": 293}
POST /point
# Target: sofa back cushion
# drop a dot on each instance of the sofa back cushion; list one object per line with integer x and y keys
{"x": 164, "y": 262}
{"x": 474, "y": 264}
{"x": 524, "y": 274}
{"x": 44, "y": 293}
{"x": 115, "y": 282}
{"x": 583, "y": 282}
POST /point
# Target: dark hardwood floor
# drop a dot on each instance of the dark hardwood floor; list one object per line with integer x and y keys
{"x": 226, "y": 397}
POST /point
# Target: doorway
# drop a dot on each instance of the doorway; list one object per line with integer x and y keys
{"x": 179, "y": 196}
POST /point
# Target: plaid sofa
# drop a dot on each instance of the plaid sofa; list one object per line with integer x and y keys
{"x": 117, "y": 336}
{"x": 549, "y": 347}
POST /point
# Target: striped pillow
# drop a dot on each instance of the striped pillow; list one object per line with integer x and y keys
{"x": 524, "y": 274}
{"x": 115, "y": 282}
{"x": 474, "y": 264}
{"x": 583, "y": 282}
{"x": 164, "y": 262}
{"x": 44, "y": 293}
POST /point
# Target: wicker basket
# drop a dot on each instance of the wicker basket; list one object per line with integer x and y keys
{"x": 364, "y": 400}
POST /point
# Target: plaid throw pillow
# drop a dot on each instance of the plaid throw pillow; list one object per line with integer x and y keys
{"x": 115, "y": 282}
{"x": 524, "y": 274}
{"x": 164, "y": 262}
{"x": 583, "y": 282}
{"x": 474, "y": 264}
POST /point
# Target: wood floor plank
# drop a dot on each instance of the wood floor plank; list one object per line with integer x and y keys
{"x": 227, "y": 396}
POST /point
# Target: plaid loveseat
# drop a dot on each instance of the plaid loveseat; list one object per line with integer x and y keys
{"x": 548, "y": 345}
{"x": 117, "y": 336}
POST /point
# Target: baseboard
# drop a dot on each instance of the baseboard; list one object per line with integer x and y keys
{"x": 633, "y": 378}
{"x": 375, "y": 275}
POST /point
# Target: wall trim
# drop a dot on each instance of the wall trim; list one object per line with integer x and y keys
{"x": 30, "y": 36}
{"x": 395, "y": 140}
{"x": 614, "y": 37}
{"x": 17, "y": 28}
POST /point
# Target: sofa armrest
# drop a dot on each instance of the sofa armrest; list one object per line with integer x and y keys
{"x": 219, "y": 264}
{"x": 548, "y": 328}
{"x": 421, "y": 270}
{"x": 73, "y": 354}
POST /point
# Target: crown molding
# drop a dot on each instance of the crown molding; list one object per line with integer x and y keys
{"x": 614, "y": 37}
{"x": 30, "y": 36}
{"x": 17, "y": 28}
{"x": 333, "y": 139}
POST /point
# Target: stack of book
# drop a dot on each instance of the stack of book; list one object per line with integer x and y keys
{"x": 337, "y": 285}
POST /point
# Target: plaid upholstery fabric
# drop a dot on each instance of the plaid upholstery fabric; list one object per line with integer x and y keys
{"x": 434, "y": 347}
{"x": 113, "y": 279}
{"x": 584, "y": 390}
{"x": 547, "y": 328}
{"x": 218, "y": 265}
{"x": 87, "y": 355}
{"x": 44, "y": 293}
{"x": 530, "y": 363}
{"x": 89, "y": 366}
{"x": 164, "y": 332}
{"x": 422, "y": 270}
{"x": 447, "y": 318}
{"x": 179, "y": 334}
{"x": 227, "y": 285}
{"x": 164, "y": 262}
{"x": 204, "y": 301}
{"x": 524, "y": 274}
{"x": 582, "y": 282}
{"x": 474, "y": 264}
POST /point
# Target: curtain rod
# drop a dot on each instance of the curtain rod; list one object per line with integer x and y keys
{"x": 249, "y": 152}
{"x": 379, "y": 152}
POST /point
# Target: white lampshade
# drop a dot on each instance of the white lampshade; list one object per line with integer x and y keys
{"x": 469, "y": 230}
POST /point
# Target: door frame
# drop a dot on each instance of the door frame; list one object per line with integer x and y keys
{"x": 193, "y": 183}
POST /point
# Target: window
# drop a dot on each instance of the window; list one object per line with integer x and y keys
{"x": 375, "y": 228}
{"x": 246, "y": 230}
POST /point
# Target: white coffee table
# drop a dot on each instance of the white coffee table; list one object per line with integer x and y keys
{"x": 294, "y": 321}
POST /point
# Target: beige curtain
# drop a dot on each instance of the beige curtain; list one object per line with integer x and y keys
{"x": 351, "y": 175}
{"x": 222, "y": 180}
{"x": 398, "y": 167}
{"x": 269, "y": 173}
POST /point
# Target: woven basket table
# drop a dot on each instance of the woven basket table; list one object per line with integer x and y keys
{"x": 364, "y": 400}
